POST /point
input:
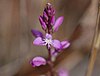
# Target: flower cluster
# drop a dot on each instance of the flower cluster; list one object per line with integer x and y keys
{"x": 49, "y": 25}
{"x": 48, "y": 22}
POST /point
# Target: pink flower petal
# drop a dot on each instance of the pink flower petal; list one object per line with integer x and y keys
{"x": 65, "y": 44}
{"x": 62, "y": 73}
{"x": 48, "y": 36}
{"x": 38, "y": 41}
{"x": 38, "y": 61}
{"x": 58, "y": 23}
{"x": 53, "y": 20}
{"x": 56, "y": 44}
{"x": 36, "y": 33}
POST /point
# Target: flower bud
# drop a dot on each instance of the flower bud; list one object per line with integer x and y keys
{"x": 42, "y": 23}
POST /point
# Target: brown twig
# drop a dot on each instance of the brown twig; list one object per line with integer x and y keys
{"x": 95, "y": 45}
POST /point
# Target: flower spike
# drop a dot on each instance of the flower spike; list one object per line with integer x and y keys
{"x": 49, "y": 25}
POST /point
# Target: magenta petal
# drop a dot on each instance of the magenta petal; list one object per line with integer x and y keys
{"x": 37, "y": 33}
{"x": 54, "y": 53}
{"x": 62, "y": 73}
{"x": 48, "y": 36}
{"x": 56, "y": 44}
{"x": 65, "y": 44}
{"x": 58, "y": 23}
{"x": 38, "y": 61}
{"x": 53, "y": 20}
{"x": 38, "y": 41}
{"x": 45, "y": 15}
{"x": 42, "y": 23}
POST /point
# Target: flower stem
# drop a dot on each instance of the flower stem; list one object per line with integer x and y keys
{"x": 50, "y": 62}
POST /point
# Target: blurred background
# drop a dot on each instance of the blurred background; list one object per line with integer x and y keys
{"x": 18, "y": 17}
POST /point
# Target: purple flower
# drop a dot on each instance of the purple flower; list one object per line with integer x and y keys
{"x": 64, "y": 45}
{"x": 38, "y": 61}
{"x": 62, "y": 72}
{"x": 54, "y": 46}
{"x": 48, "y": 22}
{"x": 47, "y": 41}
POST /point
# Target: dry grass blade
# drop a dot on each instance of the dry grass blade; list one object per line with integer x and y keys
{"x": 95, "y": 45}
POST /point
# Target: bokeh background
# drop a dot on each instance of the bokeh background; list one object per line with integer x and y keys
{"x": 18, "y": 17}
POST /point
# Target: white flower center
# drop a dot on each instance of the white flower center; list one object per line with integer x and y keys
{"x": 48, "y": 41}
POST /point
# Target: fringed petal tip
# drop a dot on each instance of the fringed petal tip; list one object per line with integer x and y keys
{"x": 38, "y": 61}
